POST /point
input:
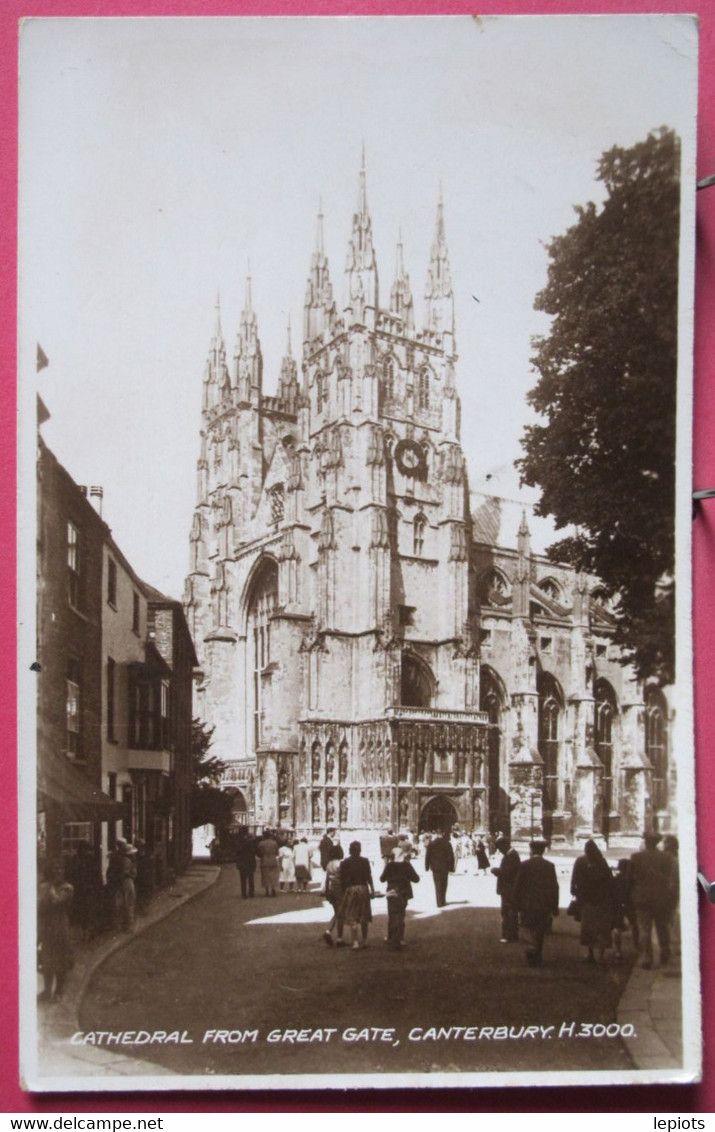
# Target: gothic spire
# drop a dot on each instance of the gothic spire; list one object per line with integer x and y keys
{"x": 439, "y": 313}
{"x": 216, "y": 375}
{"x": 288, "y": 384}
{"x": 401, "y": 295}
{"x": 319, "y": 308}
{"x": 247, "y": 355}
{"x": 361, "y": 266}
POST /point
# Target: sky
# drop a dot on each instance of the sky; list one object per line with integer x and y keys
{"x": 159, "y": 156}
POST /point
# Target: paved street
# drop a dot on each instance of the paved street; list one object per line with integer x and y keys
{"x": 221, "y": 963}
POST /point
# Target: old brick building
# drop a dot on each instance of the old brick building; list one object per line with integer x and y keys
{"x": 114, "y": 690}
{"x": 373, "y": 650}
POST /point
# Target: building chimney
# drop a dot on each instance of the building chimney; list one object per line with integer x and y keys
{"x": 96, "y": 495}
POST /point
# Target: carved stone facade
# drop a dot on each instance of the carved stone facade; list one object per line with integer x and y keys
{"x": 370, "y": 654}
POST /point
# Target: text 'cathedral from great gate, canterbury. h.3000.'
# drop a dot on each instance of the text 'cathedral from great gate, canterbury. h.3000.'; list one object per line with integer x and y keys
{"x": 370, "y": 655}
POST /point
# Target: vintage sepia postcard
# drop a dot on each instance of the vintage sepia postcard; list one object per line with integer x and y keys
{"x": 355, "y": 414}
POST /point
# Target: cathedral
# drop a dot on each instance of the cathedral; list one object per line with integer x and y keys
{"x": 373, "y": 650}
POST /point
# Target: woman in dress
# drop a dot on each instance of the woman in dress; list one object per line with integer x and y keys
{"x": 55, "y": 899}
{"x": 356, "y": 879}
{"x": 287, "y": 861}
{"x": 267, "y": 853}
{"x": 301, "y": 853}
{"x": 482, "y": 858}
{"x": 333, "y": 893}
{"x": 592, "y": 887}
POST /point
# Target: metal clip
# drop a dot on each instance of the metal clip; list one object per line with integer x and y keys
{"x": 708, "y": 888}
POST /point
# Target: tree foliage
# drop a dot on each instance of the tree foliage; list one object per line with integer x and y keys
{"x": 209, "y": 804}
{"x": 604, "y": 458}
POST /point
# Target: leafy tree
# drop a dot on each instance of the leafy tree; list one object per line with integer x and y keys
{"x": 605, "y": 456}
{"x": 209, "y": 804}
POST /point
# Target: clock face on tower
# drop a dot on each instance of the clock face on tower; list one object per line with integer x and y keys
{"x": 410, "y": 459}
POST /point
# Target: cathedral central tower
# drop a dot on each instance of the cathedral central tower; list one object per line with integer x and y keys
{"x": 328, "y": 517}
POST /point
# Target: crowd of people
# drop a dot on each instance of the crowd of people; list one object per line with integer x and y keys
{"x": 75, "y": 904}
{"x": 639, "y": 895}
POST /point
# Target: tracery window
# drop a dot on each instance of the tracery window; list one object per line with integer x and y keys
{"x": 419, "y": 528}
{"x": 552, "y": 588}
{"x": 262, "y": 603}
{"x": 422, "y": 387}
{"x": 416, "y": 683}
{"x": 321, "y": 390}
{"x": 388, "y": 376}
{"x": 277, "y": 501}
{"x": 656, "y": 744}
{"x": 550, "y": 711}
{"x": 606, "y": 712}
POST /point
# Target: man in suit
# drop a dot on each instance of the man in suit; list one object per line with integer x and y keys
{"x": 536, "y": 898}
{"x": 325, "y": 848}
{"x": 506, "y": 879}
{"x": 388, "y": 842}
{"x": 440, "y": 860}
{"x": 652, "y": 889}
{"x": 246, "y": 861}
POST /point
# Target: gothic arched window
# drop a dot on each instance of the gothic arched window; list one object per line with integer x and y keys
{"x": 422, "y": 387}
{"x": 551, "y": 587}
{"x": 262, "y": 601}
{"x": 321, "y": 390}
{"x": 550, "y": 711}
{"x": 416, "y": 683}
{"x": 419, "y": 528}
{"x": 277, "y": 502}
{"x": 492, "y": 587}
{"x": 656, "y": 744}
{"x": 388, "y": 377}
{"x": 606, "y": 713}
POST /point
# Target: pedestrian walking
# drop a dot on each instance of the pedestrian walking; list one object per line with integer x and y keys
{"x": 113, "y": 886}
{"x": 267, "y": 853}
{"x": 652, "y": 879}
{"x": 388, "y": 842}
{"x": 301, "y": 853}
{"x": 333, "y": 893}
{"x": 121, "y": 891}
{"x": 506, "y": 879}
{"x": 54, "y": 902}
{"x": 481, "y": 855}
{"x": 144, "y": 883}
{"x": 623, "y": 911}
{"x": 671, "y": 846}
{"x": 592, "y": 888}
{"x": 439, "y": 860}
{"x": 358, "y": 888}
{"x": 128, "y": 893}
{"x": 398, "y": 876}
{"x": 536, "y": 896}
{"x": 325, "y": 846}
{"x": 246, "y": 862}
{"x": 287, "y": 863}
{"x": 84, "y": 874}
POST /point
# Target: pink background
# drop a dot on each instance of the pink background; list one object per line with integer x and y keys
{"x": 674, "y": 1099}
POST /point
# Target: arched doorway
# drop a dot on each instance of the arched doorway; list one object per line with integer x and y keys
{"x": 239, "y": 807}
{"x": 438, "y": 815}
